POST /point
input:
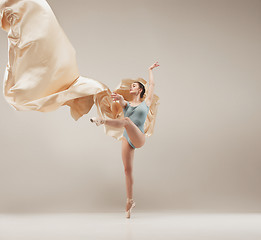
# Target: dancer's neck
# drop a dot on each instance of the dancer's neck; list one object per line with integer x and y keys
{"x": 136, "y": 100}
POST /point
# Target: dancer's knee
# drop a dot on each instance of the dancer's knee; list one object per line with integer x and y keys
{"x": 127, "y": 121}
{"x": 128, "y": 171}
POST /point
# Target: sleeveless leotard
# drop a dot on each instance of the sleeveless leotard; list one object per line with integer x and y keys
{"x": 137, "y": 115}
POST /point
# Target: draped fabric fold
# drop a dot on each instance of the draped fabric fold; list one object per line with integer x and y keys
{"x": 42, "y": 72}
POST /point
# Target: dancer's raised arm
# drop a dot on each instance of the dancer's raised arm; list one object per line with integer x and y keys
{"x": 149, "y": 96}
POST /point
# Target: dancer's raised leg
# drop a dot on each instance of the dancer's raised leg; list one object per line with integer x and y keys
{"x": 136, "y": 136}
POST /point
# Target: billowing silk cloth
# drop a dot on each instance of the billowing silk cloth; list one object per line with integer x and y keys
{"x": 42, "y": 73}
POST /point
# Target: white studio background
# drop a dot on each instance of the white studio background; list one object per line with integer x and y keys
{"x": 205, "y": 153}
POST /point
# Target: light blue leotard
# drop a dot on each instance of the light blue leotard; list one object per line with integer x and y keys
{"x": 137, "y": 115}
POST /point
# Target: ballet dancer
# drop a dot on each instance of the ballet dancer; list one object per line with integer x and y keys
{"x": 135, "y": 113}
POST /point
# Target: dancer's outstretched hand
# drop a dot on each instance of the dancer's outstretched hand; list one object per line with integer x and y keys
{"x": 116, "y": 96}
{"x": 154, "y": 65}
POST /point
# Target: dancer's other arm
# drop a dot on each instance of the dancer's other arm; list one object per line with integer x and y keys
{"x": 149, "y": 96}
{"x": 116, "y": 96}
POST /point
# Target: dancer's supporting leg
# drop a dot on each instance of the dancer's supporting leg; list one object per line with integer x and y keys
{"x": 127, "y": 158}
{"x": 136, "y": 136}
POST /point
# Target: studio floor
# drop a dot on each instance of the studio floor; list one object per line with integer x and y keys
{"x": 141, "y": 226}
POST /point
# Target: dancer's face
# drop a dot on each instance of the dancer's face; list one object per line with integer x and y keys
{"x": 135, "y": 89}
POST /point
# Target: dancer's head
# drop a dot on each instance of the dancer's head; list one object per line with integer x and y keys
{"x": 137, "y": 88}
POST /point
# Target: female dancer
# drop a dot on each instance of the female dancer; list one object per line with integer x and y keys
{"x": 135, "y": 113}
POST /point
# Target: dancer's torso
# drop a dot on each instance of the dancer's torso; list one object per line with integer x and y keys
{"x": 137, "y": 114}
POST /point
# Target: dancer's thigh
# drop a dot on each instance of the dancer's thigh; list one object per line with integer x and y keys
{"x": 127, "y": 155}
{"x": 136, "y": 136}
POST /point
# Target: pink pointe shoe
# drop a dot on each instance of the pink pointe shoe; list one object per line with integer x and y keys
{"x": 130, "y": 200}
{"x": 97, "y": 121}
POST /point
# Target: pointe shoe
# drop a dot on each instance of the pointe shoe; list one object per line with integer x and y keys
{"x": 97, "y": 121}
{"x": 132, "y": 206}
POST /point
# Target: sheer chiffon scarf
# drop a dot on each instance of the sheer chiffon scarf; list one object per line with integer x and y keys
{"x": 42, "y": 72}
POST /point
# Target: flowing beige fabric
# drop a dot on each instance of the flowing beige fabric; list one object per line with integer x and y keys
{"x": 42, "y": 72}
